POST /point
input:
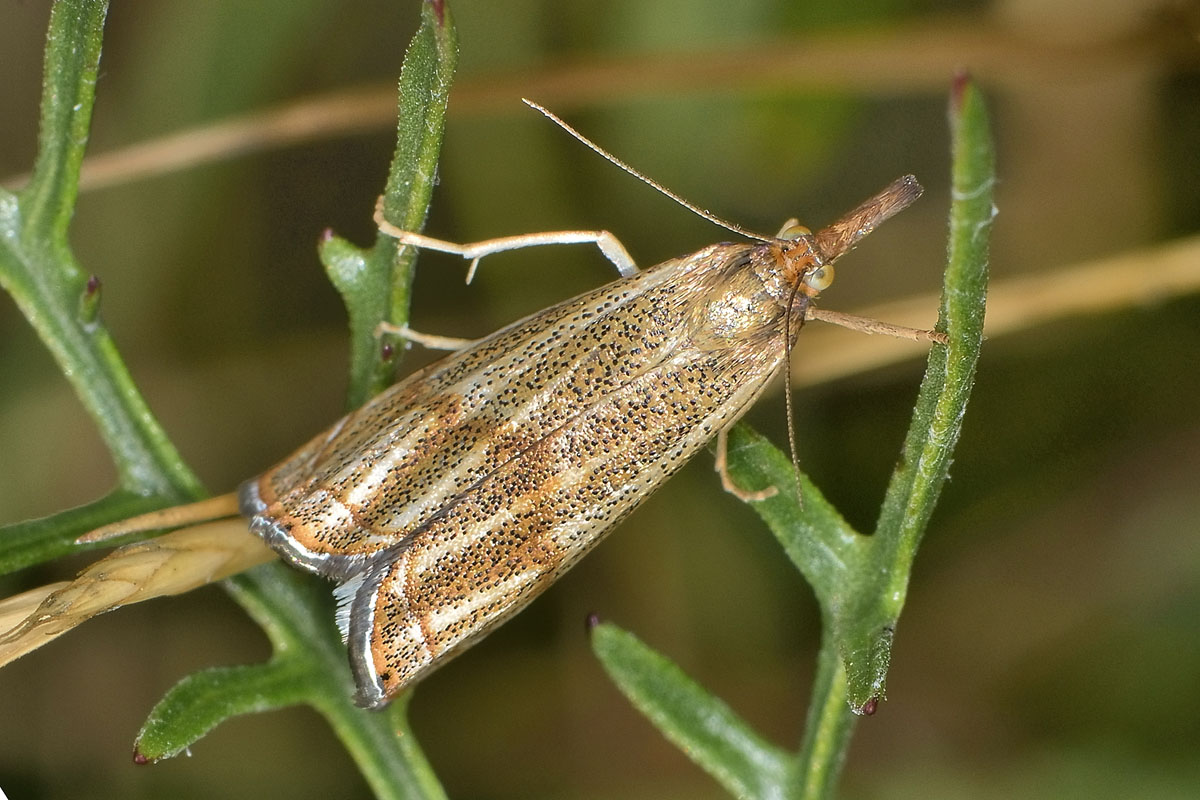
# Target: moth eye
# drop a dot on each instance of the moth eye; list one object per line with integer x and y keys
{"x": 819, "y": 278}
{"x": 793, "y": 232}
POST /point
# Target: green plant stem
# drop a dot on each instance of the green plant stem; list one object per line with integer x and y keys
{"x": 376, "y": 283}
{"x": 828, "y": 727}
{"x": 386, "y": 751}
{"x": 38, "y": 269}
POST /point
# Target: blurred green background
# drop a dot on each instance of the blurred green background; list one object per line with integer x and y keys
{"x": 1050, "y": 644}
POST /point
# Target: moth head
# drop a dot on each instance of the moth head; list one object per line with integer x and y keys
{"x": 816, "y": 277}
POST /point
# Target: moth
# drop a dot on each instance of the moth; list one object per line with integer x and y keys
{"x": 448, "y": 502}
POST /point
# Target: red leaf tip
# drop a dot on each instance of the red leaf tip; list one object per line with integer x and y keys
{"x": 958, "y": 88}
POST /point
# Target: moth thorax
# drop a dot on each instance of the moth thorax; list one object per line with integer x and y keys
{"x": 734, "y": 316}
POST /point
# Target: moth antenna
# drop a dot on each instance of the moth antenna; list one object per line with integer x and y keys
{"x": 690, "y": 206}
{"x": 787, "y": 390}
{"x": 213, "y": 508}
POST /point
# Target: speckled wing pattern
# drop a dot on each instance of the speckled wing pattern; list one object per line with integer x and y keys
{"x": 448, "y": 502}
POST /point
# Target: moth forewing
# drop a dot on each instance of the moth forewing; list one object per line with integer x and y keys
{"x": 451, "y": 500}
{"x": 505, "y": 541}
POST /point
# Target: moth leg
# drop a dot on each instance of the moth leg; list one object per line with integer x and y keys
{"x": 609, "y": 245}
{"x": 722, "y": 468}
{"x": 867, "y": 325}
{"x": 430, "y": 341}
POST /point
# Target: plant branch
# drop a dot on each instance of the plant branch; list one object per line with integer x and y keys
{"x": 38, "y": 269}
{"x": 860, "y": 581}
{"x": 62, "y": 303}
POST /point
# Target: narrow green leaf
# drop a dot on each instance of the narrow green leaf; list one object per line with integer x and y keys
{"x": 820, "y": 543}
{"x": 950, "y": 375}
{"x": 378, "y": 287}
{"x": 36, "y": 541}
{"x": 201, "y": 701}
{"x": 868, "y": 624}
{"x": 309, "y": 662}
{"x": 699, "y": 724}
{"x": 346, "y": 266}
{"x": 71, "y": 64}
